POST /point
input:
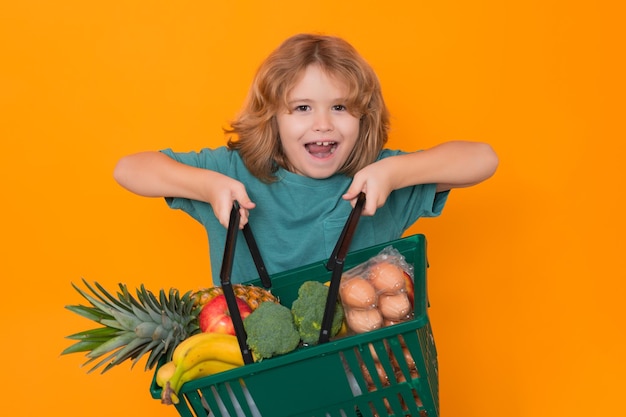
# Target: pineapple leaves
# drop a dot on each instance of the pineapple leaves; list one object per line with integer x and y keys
{"x": 112, "y": 344}
{"x": 141, "y": 313}
{"x": 133, "y": 326}
{"x": 90, "y": 313}
{"x": 82, "y": 346}
{"x": 108, "y": 296}
{"x": 102, "y": 333}
{"x": 155, "y": 348}
{"x": 129, "y": 351}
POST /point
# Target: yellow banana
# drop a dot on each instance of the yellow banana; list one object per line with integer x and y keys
{"x": 222, "y": 347}
{"x": 205, "y": 368}
{"x": 205, "y": 347}
{"x": 191, "y": 342}
{"x": 165, "y": 373}
{"x": 184, "y": 346}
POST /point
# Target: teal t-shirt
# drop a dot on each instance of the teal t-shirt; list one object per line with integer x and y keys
{"x": 297, "y": 220}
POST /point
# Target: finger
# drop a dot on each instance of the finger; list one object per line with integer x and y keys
{"x": 243, "y": 216}
{"x": 246, "y": 204}
{"x": 243, "y": 219}
{"x": 351, "y": 195}
{"x": 351, "y": 201}
{"x": 244, "y": 207}
{"x": 224, "y": 215}
{"x": 354, "y": 190}
{"x": 242, "y": 198}
{"x": 368, "y": 209}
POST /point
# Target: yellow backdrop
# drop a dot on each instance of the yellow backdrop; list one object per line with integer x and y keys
{"x": 527, "y": 270}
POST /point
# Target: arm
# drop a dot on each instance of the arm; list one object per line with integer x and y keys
{"x": 154, "y": 174}
{"x": 449, "y": 165}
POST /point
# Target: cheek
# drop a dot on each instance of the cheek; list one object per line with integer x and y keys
{"x": 350, "y": 128}
{"x": 280, "y": 124}
{"x": 288, "y": 126}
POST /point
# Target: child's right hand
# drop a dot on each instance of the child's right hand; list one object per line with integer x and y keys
{"x": 154, "y": 174}
{"x": 223, "y": 193}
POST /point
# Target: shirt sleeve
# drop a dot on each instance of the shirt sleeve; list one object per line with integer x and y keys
{"x": 213, "y": 159}
{"x": 408, "y": 204}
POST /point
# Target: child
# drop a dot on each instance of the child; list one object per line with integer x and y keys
{"x": 309, "y": 139}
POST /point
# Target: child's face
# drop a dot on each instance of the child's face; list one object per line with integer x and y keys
{"x": 317, "y": 132}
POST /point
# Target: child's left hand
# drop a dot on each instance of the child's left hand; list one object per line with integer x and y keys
{"x": 375, "y": 180}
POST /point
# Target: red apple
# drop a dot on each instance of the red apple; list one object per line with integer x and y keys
{"x": 215, "y": 317}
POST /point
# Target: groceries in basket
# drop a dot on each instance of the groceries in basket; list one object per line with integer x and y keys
{"x": 187, "y": 337}
{"x": 192, "y": 335}
{"x": 213, "y": 331}
{"x": 308, "y": 312}
{"x": 378, "y": 292}
{"x": 200, "y": 355}
{"x": 133, "y": 327}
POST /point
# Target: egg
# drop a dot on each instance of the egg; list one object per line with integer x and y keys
{"x": 361, "y": 321}
{"x": 380, "y": 373}
{"x": 387, "y": 277}
{"x": 409, "y": 360}
{"x": 395, "y": 307}
{"x": 374, "y": 353}
{"x": 367, "y": 376}
{"x": 357, "y": 292}
{"x": 387, "y": 322}
{"x": 405, "y": 359}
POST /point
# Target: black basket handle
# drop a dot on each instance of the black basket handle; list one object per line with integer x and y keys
{"x": 256, "y": 256}
{"x": 336, "y": 263}
{"x": 227, "y": 267}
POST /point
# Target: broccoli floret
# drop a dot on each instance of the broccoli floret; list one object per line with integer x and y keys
{"x": 308, "y": 312}
{"x": 271, "y": 331}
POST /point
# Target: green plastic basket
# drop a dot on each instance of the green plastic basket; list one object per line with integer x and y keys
{"x": 327, "y": 380}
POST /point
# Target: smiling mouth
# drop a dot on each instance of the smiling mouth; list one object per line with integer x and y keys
{"x": 321, "y": 149}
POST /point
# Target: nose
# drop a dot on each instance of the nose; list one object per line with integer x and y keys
{"x": 322, "y": 122}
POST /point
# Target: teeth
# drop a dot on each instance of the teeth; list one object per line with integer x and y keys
{"x": 323, "y": 143}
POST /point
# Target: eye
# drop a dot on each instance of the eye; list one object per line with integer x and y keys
{"x": 339, "y": 107}
{"x": 302, "y": 108}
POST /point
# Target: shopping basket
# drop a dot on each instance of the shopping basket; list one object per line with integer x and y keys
{"x": 338, "y": 378}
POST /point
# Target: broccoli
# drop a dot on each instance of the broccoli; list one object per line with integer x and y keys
{"x": 271, "y": 331}
{"x": 308, "y": 312}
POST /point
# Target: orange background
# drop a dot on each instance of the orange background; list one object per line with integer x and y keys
{"x": 527, "y": 269}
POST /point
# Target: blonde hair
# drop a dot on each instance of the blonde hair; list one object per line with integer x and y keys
{"x": 256, "y": 129}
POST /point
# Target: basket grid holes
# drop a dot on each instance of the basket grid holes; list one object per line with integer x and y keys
{"x": 380, "y": 364}
{"x": 227, "y": 401}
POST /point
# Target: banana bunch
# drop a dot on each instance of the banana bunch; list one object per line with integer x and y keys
{"x": 200, "y": 355}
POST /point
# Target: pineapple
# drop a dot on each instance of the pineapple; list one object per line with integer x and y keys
{"x": 146, "y": 324}
{"x": 249, "y": 293}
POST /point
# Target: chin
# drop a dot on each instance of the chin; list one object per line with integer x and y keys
{"x": 321, "y": 176}
{"x": 317, "y": 174}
